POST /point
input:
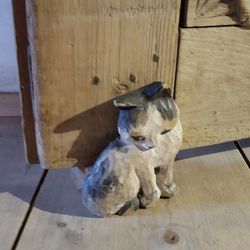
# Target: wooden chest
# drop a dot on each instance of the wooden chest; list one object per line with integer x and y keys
{"x": 82, "y": 54}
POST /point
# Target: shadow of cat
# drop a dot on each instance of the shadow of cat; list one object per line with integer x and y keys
{"x": 97, "y": 126}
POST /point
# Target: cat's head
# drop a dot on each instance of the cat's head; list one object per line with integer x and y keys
{"x": 145, "y": 114}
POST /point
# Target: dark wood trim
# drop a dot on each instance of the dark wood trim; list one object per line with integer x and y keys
{"x": 19, "y": 13}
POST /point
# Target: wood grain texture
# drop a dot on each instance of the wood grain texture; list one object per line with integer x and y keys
{"x": 217, "y": 12}
{"x": 84, "y": 54}
{"x": 213, "y": 85}
{"x": 10, "y": 104}
{"x": 25, "y": 81}
{"x": 211, "y": 211}
{"x": 17, "y": 181}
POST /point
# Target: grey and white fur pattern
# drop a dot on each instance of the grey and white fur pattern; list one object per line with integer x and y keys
{"x": 136, "y": 168}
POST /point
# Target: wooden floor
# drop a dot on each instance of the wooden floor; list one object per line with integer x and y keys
{"x": 42, "y": 210}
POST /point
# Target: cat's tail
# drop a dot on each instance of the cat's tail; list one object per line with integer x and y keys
{"x": 77, "y": 175}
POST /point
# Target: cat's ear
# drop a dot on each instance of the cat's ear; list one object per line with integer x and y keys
{"x": 130, "y": 100}
{"x": 165, "y": 93}
{"x": 152, "y": 89}
{"x": 166, "y": 107}
{"x": 139, "y": 97}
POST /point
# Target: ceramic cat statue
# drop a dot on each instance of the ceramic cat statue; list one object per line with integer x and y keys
{"x": 137, "y": 168}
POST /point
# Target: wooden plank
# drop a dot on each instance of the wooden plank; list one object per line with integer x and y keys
{"x": 9, "y": 104}
{"x": 17, "y": 182}
{"x": 217, "y": 12}
{"x": 24, "y": 78}
{"x": 210, "y": 211}
{"x": 84, "y": 53}
{"x": 213, "y": 85}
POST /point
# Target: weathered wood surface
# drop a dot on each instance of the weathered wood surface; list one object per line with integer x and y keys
{"x": 25, "y": 81}
{"x": 10, "y": 104}
{"x": 217, "y": 12}
{"x": 17, "y": 182}
{"x": 87, "y": 52}
{"x": 213, "y": 85}
{"x": 211, "y": 211}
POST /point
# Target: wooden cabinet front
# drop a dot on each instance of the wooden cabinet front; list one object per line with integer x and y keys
{"x": 84, "y": 53}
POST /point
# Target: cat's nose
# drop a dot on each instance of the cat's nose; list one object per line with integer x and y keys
{"x": 142, "y": 147}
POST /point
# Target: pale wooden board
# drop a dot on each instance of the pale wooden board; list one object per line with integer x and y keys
{"x": 213, "y": 12}
{"x": 17, "y": 182}
{"x": 73, "y": 42}
{"x": 10, "y": 104}
{"x": 19, "y": 15}
{"x": 211, "y": 211}
{"x": 213, "y": 85}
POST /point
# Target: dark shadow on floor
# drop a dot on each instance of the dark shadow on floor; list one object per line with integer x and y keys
{"x": 16, "y": 177}
{"x": 245, "y": 143}
{"x": 206, "y": 150}
{"x": 97, "y": 126}
{"x": 60, "y": 195}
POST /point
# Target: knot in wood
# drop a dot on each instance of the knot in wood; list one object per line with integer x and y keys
{"x": 121, "y": 88}
{"x": 95, "y": 80}
{"x": 171, "y": 237}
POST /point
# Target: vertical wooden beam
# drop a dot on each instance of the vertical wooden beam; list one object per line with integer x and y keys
{"x": 25, "y": 84}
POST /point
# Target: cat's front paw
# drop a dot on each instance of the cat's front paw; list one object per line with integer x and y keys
{"x": 168, "y": 191}
{"x": 145, "y": 200}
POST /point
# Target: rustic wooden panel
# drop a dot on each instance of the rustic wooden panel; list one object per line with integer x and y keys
{"x": 17, "y": 181}
{"x": 24, "y": 78}
{"x": 217, "y": 12}
{"x": 213, "y": 85}
{"x": 210, "y": 211}
{"x": 86, "y": 53}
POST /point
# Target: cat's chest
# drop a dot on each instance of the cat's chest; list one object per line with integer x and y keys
{"x": 153, "y": 157}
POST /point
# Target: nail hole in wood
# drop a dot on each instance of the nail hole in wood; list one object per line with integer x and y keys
{"x": 171, "y": 237}
{"x": 156, "y": 58}
{"x": 61, "y": 224}
{"x": 132, "y": 77}
{"x": 96, "y": 80}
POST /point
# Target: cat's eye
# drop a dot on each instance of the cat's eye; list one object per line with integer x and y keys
{"x": 139, "y": 138}
{"x": 165, "y": 131}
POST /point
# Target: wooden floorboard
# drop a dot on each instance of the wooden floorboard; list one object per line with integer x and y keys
{"x": 211, "y": 211}
{"x": 10, "y": 104}
{"x": 17, "y": 182}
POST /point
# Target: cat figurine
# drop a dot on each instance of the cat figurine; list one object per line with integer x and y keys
{"x": 137, "y": 167}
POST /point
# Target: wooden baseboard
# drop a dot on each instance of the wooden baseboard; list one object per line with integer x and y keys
{"x": 10, "y": 104}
